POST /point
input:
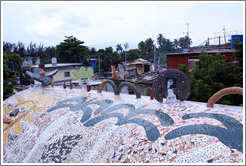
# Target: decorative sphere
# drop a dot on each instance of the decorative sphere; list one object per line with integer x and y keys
{"x": 42, "y": 73}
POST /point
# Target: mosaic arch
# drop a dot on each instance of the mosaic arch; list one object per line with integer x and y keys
{"x": 224, "y": 92}
{"x": 180, "y": 86}
{"x": 117, "y": 90}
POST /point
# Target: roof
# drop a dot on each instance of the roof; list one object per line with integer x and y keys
{"x": 198, "y": 52}
{"x": 59, "y": 65}
{"x": 75, "y": 126}
{"x": 135, "y": 62}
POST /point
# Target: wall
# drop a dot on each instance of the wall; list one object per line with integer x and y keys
{"x": 60, "y": 76}
{"x": 174, "y": 60}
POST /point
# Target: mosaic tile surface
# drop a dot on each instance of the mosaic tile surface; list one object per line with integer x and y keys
{"x": 57, "y": 125}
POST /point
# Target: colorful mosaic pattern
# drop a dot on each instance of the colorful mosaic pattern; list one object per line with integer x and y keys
{"x": 150, "y": 129}
{"x": 73, "y": 126}
{"x": 44, "y": 79}
{"x": 181, "y": 85}
{"x": 83, "y": 73}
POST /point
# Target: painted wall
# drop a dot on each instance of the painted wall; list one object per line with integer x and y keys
{"x": 60, "y": 75}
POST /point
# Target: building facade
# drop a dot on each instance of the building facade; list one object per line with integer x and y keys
{"x": 64, "y": 70}
{"x": 190, "y": 58}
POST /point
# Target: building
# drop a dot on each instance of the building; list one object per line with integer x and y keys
{"x": 64, "y": 70}
{"x": 123, "y": 70}
{"x": 190, "y": 58}
{"x": 140, "y": 72}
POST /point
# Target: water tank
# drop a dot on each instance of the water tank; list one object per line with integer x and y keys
{"x": 38, "y": 61}
{"x": 233, "y": 38}
{"x": 54, "y": 61}
{"x": 93, "y": 64}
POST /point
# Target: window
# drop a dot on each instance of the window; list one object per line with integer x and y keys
{"x": 67, "y": 74}
{"x": 192, "y": 62}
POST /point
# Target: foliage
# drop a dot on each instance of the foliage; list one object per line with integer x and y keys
{"x": 32, "y": 50}
{"x": 133, "y": 54}
{"x": 183, "y": 68}
{"x": 239, "y": 53}
{"x": 213, "y": 74}
{"x": 184, "y": 42}
{"x": 147, "y": 91}
{"x": 119, "y": 48}
{"x": 9, "y": 80}
{"x": 72, "y": 50}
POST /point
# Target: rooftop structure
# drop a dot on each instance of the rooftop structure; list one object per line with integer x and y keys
{"x": 56, "y": 125}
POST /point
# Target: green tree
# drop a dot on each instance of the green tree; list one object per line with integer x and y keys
{"x": 72, "y": 50}
{"x": 142, "y": 46}
{"x": 119, "y": 48}
{"x": 183, "y": 42}
{"x": 213, "y": 74}
{"x": 183, "y": 68}
{"x": 239, "y": 52}
{"x": 9, "y": 79}
{"x": 133, "y": 54}
{"x": 149, "y": 45}
{"x": 48, "y": 54}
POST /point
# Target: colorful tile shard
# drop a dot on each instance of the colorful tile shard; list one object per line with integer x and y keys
{"x": 70, "y": 126}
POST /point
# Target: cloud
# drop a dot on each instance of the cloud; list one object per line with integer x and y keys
{"x": 76, "y": 21}
{"x": 109, "y": 23}
{"x": 117, "y": 18}
{"x": 44, "y": 28}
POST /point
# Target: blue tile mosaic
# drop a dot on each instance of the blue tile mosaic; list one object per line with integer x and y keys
{"x": 232, "y": 136}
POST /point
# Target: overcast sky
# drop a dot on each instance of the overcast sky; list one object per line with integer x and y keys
{"x": 104, "y": 24}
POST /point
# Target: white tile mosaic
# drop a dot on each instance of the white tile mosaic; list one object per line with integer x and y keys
{"x": 104, "y": 128}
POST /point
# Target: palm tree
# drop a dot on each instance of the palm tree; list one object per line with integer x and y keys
{"x": 176, "y": 43}
{"x": 142, "y": 46}
{"x": 126, "y": 45}
{"x": 149, "y": 45}
{"x": 119, "y": 48}
{"x": 184, "y": 42}
{"x": 160, "y": 39}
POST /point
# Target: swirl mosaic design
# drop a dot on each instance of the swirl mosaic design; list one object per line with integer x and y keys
{"x": 151, "y": 130}
{"x": 181, "y": 82}
{"x": 232, "y": 136}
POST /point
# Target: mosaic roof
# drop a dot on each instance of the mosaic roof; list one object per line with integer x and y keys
{"x": 56, "y": 125}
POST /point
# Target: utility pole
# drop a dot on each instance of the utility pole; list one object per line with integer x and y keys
{"x": 219, "y": 43}
{"x": 126, "y": 45}
{"x": 188, "y": 38}
{"x": 99, "y": 64}
{"x": 154, "y": 57}
{"x": 224, "y": 34}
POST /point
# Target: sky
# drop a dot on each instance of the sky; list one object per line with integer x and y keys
{"x": 103, "y": 24}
